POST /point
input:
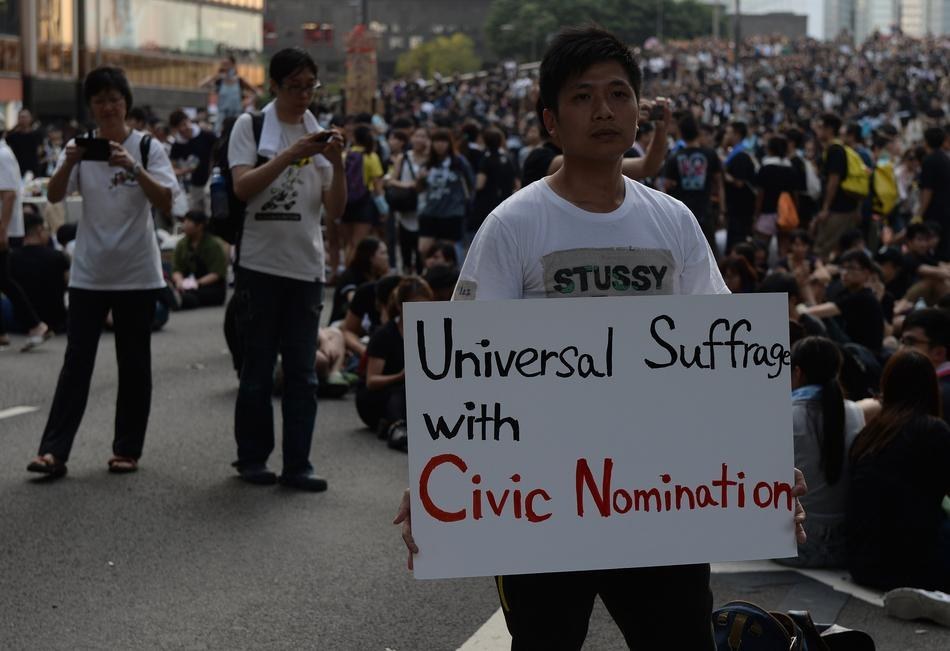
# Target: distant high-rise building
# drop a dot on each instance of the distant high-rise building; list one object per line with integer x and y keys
{"x": 839, "y": 17}
{"x": 923, "y": 17}
{"x": 874, "y": 16}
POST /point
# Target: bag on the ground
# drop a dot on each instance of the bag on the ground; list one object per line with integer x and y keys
{"x": 787, "y": 212}
{"x": 403, "y": 199}
{"x": 230, "y": 226}
{"x": 886, "y": 194}
{"x": 742, "y": 626}
{"x": 356, "y": 189}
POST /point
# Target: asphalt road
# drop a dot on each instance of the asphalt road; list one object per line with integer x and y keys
{"x": 181, "y": 555}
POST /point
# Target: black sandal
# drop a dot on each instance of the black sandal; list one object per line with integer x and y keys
{"x": 47, "y": 465}
{"x": 123, "y": 465}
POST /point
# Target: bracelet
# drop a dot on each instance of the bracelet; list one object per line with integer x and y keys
{"x": 135, "y": 171}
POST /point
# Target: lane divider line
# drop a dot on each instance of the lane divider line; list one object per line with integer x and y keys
{"x": 17, "y": 411}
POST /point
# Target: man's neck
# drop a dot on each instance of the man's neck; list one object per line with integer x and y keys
{"x": 195, "y": 238}
{"x": 31, "y": 241}
{"x": 691, "y": 143}
{"x": 286, "y": 115}
{"x": 594, "y": 186}
{"x": 117, "y": 133}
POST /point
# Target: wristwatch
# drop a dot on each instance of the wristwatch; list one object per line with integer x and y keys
{"x": 135, "y": 171}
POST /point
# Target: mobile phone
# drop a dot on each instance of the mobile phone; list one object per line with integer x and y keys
{"x": 323, "y": 136}
{"x": 657, "y": 112}
{"x": 94, "y": 148}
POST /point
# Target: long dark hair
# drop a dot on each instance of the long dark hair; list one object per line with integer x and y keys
{"x": 362, "y": 260}
{"x": 444, "y": 135}
{"x": 910, "y": 391}
{"x": 820, "y": 363}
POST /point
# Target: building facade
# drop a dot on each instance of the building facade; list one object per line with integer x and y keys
{"x": 875, "y": 16}
{"x": 321, "y": 26}
{"x": 166, "y": 47}
{"x": 925, "y": 17}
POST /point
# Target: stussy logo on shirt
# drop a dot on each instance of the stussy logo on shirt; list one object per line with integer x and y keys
{"x": 608, "y": 272}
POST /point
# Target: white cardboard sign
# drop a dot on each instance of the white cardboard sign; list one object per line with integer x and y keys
{"x": 574, "y": 434}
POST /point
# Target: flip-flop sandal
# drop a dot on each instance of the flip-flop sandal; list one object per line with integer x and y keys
{"x": 52, "y": 469}
{"x": 122, "y": 465}
{"x": 37, "y": 340}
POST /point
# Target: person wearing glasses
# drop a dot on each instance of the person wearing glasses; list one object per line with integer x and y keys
{"x": 928, "y": 332}
{"x": 286, "y": 177}
{"x": 859, "y": 308}
{"x": 116, "y": 267}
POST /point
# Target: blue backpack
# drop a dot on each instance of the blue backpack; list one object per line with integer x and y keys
{"x": 741, "y": 626}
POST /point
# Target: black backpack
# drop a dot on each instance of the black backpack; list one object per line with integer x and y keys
{"x": 229, "y": 229}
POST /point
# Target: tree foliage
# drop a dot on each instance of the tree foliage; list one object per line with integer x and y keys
{"x": 521, "y": 29}
{"x": 445, "y": 54}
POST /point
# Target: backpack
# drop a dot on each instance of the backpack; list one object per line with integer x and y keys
{"x": 787, "y": 212}
{"x": 886, "y": 195}
{"x": 356, "y": 189}
{"x": 857, "y": 183}
{"x": 742, "y": 626}
{"x": 230, "y": 228}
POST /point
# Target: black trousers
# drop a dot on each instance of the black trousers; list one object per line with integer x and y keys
{"x": 132, "y": 314}
{"x": 387, "y": 403}
{"x": 655, "y": 607}
{"x": 204, "y": 296}
{"x": 21, "y": 304}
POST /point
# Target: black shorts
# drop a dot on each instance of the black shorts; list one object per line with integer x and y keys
{"x": 361, "y": 211}
{"x": 655, "y": 607}
{"x": 442, "y": 228}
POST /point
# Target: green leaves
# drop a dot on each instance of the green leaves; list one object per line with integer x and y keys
{"x": 445, "y": 54}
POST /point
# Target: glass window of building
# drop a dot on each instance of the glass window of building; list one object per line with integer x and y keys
{"x": 54, "y": 36}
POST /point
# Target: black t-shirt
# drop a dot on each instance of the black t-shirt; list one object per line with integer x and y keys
{"x": 693, "y": 169}
{"x": 912, "y": 263}
{"x": 25, "y": 146}
{"x": 500, "y": 174}
{"x": 863, "y": 318}
{"x": 348, "y": 282}
{"x": 40, "y": 271}
{"x": 894, "y": 509}
{"x": 538, "y": 161}
{"x": 773, "y": 180}
{"x": 836, "y": 162}
{"x": 935, "y": 175}
{"x": 363, "y": 306}
{"x": 388, "y": 345}
{"x": 740, "y": 200}
{"x": 200, "y": 146}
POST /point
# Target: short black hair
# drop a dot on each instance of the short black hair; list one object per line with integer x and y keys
{"x": 854, "y": 130}
{"x": 289, "y": 62}
{"x": 919, "y": 229}
{"x": 934, "y": 322}
{"x": 860, "y": 258}
{"x": 796, "y": 137}
{"x": 934, "y": 137}
{"x": 741, "y": 128}
{"x": 31, "y": 223}
{"x": 777, "y": 146}
{"x": 574, "y": 50}
{"x": 363, "y": 136}
{"x": 689, "y": 130}
{"x": 831, "y": 121}
{"x": 890, "y": 254}
{"x": 107, "y": 78}
{"x": 441, "y": 276}
{"x": 177, "y": 117}
{"x": 196, "y": 216}
{"x": 138, "y": 113}
{"x": 800, "y": 234}
{"x": 780, "y": 283}
{"x": 644, "y": 129}
{"x": 849, "y": 238}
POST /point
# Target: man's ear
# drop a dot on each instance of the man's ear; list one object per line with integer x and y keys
{"x": 550, "y": 121}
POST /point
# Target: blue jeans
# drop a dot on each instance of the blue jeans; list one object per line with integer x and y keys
{"x": 277, "y": 314}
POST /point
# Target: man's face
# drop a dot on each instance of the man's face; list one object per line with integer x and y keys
{"x": 854, "y": 276}
{"x": 916, "y": 339}
{"x": 296, "y": 91}
{"x": 25, "y": 119}
{"x": 184, "y": 129}
{"x": 189, "y": 228}
{"x": 597, "y": 113}
{"x": 919, "y": 244}
{"x": 730, "y": 138}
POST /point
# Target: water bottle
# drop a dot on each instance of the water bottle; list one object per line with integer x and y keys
{"x": 220, "y": 208}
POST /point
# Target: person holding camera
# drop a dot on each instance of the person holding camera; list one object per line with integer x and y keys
{"x": 287, "y": 176}
{"x": 120, "y": 173}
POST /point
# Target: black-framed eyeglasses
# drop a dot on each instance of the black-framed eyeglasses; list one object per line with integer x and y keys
{"x": 302, "y": 90}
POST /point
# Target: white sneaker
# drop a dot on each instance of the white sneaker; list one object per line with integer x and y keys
{"x": 913, "y": 603}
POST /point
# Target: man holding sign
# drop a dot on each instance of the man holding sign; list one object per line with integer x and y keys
{"x": 586, "y": 231}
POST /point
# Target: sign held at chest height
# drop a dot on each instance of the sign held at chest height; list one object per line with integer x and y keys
{"x": 590, "y": 434}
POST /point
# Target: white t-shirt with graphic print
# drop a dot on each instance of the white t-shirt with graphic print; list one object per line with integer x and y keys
{"x": 282, "y": 235}
{"x": 537, "y": 244}
{"x": 116, "y": 247}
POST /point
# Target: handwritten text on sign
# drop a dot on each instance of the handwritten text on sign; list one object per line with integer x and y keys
{"x": 555, "y": 435}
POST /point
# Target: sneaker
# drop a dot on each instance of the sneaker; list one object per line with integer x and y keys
{"x": 398, "y": 436}
{"x": 305, "y": 482}
{"x": 913, "y": 603}
{"x": 257, "y": 475}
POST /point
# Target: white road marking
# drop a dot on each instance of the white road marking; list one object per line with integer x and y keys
{"x": 16, "y": 411}
{"x": 493, "y": 634}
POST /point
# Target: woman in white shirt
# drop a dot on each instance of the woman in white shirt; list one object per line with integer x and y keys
{"x": 116, "y": 268}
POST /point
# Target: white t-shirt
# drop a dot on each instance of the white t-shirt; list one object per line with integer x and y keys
{"x": 282, "y": 233}
{"x": 537, "y": 244}
{"x": 10, "y": 179}
{"x": 116, "y": 246}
